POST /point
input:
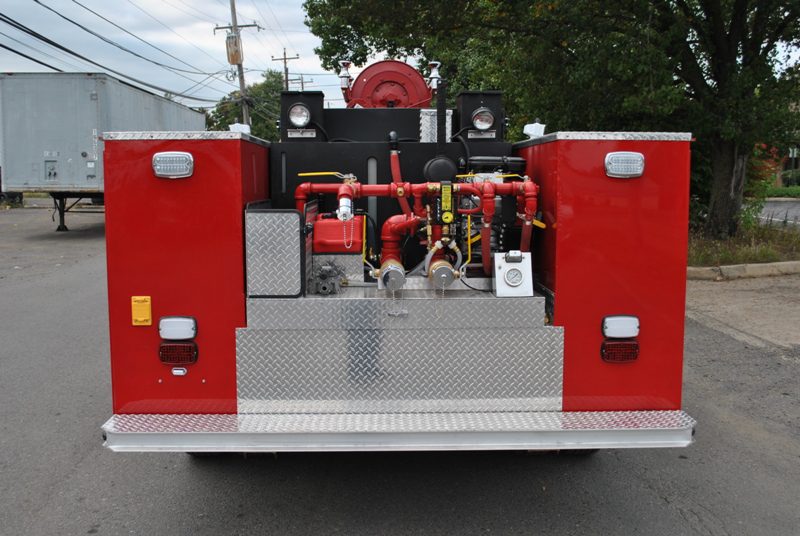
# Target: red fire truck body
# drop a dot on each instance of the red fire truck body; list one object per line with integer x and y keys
{"x": 394, "y": 277}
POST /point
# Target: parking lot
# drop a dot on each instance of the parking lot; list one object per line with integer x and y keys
{"x": 742, "y": 475}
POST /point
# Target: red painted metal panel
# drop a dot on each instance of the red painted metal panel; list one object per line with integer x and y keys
{"x": 334, "y": 236}
{"x": 615, "y": 246}
{"x": 179, "y": 241}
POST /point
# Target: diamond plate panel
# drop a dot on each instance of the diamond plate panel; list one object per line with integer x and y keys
{"x": 274, "y": 254}
{"x": 183, "y": 135}
{"x": 375, "y": 370}
{"x": 367, "y": 308}
{"x": 607, "y": 136}
{"x": 407, "y": 422}
{"x": 427, "y": 125}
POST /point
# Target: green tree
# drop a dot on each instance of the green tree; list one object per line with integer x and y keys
{"x": 264, "y": 100}
{"x": 720, "y": 68}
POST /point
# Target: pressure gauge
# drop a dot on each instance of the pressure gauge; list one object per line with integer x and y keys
{"x": 514, "y": 277}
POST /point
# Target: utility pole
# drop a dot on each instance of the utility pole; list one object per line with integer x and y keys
{"x": 285, "y": 61}
{"x": 302, "y": 81}
{"x": 236, "y": 56}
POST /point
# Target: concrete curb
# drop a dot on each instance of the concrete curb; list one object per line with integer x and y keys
{"x": 740, "y": 271}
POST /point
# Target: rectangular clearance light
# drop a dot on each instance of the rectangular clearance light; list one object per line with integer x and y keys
{"x": 177, "y": 328}
{"x": 621, "y": 327}
{"x": 619, "y": 351}
{"x": 173, "y": 164}
{"x": 177, "y": 353}
{"x": 624, "y": 165}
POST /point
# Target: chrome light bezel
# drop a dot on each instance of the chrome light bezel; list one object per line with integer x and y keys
{"x": 173, "y": 164}
{"x": 624, "y": 164}
{"x": 483, "y": 110}
{"x": 301, "y": 123}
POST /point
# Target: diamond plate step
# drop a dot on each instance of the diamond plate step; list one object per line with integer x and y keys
{"x": 385, "y": 432}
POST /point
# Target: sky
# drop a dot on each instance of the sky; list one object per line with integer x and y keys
{"x": 183, "y": 29}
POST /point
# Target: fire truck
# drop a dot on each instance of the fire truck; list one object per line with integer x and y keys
{"x": 396, "y": 275}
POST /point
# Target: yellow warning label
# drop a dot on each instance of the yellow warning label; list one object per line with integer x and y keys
{"x": 447, "y": 196}
{"x": 140, "y": 311}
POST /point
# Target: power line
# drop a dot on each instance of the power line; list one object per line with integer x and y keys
{"x": 26, "y": 45}
{"x": 201, "y": 19}
{"x": 280, "y": 27}
{"x": 137, "y": 37}
{"x": 189, "y": 6}
{"x": 115, "y": 44}
{"x": 21, "y": 27}
{"x": 159, "y": 49}
{"x": 17, "y": 52}
{"x": 263, "y": 18}
{"x": 176, "y": 33}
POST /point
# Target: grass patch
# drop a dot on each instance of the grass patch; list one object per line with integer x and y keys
{"x": 784, "y": 191}
{"x": 763, "y": 243}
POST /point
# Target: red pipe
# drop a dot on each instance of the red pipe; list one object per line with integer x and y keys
{"x": 397, "y": 178}
{"x": 530, "y": 192}
{"x": 526, "y": 192}
{"x": 351, "y": 190}
{"x": 525, "y": 241}
{"x": 392, "y": 231}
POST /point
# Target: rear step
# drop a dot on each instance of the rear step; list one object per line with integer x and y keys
{"x": 398, "y": 431}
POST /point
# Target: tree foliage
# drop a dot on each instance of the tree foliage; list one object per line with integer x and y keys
{"x": 264, "y": 101}
{"x": 722, "y": 69}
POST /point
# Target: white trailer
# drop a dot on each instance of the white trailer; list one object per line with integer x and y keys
{"x": 51, "y": 126}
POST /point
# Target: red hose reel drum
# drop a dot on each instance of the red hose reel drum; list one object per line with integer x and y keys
{"x": 389, "y": 84}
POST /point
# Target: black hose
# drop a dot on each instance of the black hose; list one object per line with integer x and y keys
{"x": 324, "y": 132}
{"x": 466, "y": 147}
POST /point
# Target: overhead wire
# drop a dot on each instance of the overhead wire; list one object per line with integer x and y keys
{"x": 148, "y": 43}
{"x": 115, "y": 44}
{"x": 25, "y": 29}
{"x": 28, "y": 46}
{"x": 17, "y": 52}
{"x": 159, "y": 49}
{"x": 280, "y": 27}
{"x": 157, "y": 20}
{"x": 196, "y": 17}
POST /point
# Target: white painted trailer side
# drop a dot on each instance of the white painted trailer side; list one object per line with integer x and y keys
{"x": 51, "y": 126}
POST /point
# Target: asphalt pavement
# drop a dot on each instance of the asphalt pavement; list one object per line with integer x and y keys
{"x": 742, "y": 475}
{"x": 779, "y": 211}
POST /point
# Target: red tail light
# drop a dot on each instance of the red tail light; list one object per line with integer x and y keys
{"x": 619, "y": 351}
{"x": 178, "y": 353}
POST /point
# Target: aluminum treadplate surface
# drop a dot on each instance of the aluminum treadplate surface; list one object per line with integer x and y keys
{"x": 399, "y": 431}
{"x": 427, "y": 370}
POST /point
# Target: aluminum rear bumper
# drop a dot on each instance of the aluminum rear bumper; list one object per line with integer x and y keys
{"x": 398, "y": 431}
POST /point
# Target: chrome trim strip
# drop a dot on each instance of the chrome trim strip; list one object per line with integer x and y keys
{"x": 183, "y": 135}
{"x": 606, "y": 136}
